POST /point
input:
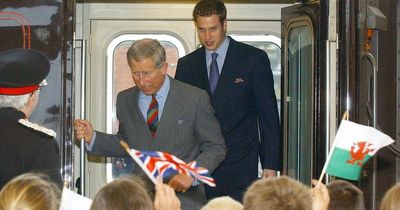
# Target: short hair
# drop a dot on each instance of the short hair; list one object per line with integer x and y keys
{"x": 206, "y": 8}
{"x": 30, "y": 191}
{"x": 344, "y": 195}
{"x": 391, "y": 200}
{"x": 124, "y": 193}
{"x": 14, "y": 101}
{"x": 282, "y": 193}
{"x": 223, "y": 203}
{"x": 147, "y": 48}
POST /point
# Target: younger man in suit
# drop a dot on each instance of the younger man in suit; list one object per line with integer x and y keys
{"x": 162, "y": 114}
{"x": 239, "y": 80}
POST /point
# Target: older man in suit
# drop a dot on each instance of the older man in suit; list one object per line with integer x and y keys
{"x": 239, "y": 80}
{"x": 162, "y": 114}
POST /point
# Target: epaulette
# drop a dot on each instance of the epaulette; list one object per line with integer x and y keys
{"x": 37, "y": 127}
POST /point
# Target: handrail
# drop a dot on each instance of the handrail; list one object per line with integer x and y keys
{"x": 392, "y": 148}
{"x": 372, "y": 59}
{"x": 82, "y": 173}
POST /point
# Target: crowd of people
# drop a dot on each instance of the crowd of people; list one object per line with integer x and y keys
{"x": 227, "y": 121}
{"x": 36, "y": 191}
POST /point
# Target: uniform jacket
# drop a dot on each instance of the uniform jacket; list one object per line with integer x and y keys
{"x": 187, "y": 129}
{"x": 23, "y": 149}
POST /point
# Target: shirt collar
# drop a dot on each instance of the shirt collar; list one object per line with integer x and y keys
{"x": 221, "y": 50}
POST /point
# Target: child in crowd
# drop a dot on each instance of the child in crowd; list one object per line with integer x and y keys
{"x": 391, "y": 200}
{"x": 344, "y": 195}
{"x": 281, "y": 193}
{"x": 31, "y": 191}
{"x": 223, "y": 203}
{"x": 129, "y": 193}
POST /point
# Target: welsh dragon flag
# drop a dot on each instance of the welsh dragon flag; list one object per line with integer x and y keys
{"x": 354, "y": 144}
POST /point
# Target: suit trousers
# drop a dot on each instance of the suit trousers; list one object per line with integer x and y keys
{"x": 234, "y": 178}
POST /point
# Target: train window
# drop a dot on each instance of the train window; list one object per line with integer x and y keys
{"x": 119, "y": 78}
{"x": 272, "y": 46}
{"x": 299, "y": 100}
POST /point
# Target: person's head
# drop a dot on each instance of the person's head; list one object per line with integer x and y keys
{"x": 281, "y": 193}
{"x": 344, "y": 195}
{"x": 223, "y": 203}
{"x": 147, "y": 60}
{"x": 125, "y": 193}
{"x": 210, "y": 19}
{"x": 30, "y": 191}
{"x": 391, "y": 200}
{"x": 22, "y": 71}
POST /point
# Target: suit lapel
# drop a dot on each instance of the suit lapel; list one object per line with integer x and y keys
{"x": 228, "y": 73}
{"x": 136, "y": 115}
{"x": 202, "y": 74}
{"x": 170, "y": 115}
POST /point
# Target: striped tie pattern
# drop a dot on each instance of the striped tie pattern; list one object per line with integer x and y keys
{"x": 152, "y": 115}
{"x": 214, "y": 72}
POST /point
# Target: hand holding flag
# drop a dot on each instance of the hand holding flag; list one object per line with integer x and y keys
{"x": 156, "y": 163}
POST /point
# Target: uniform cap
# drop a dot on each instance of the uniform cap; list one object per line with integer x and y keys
{"x": 22, "y": 70}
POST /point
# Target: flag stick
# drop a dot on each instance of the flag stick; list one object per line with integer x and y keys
{"x": 345, "y": 116}
{"x": 137, "y": 160}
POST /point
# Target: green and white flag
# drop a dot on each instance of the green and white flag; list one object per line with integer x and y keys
{"x": 354, "y": 144}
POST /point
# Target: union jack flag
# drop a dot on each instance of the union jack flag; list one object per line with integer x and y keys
{"x": 156, "y": 163}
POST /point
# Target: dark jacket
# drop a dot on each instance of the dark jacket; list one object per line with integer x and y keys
{"x": 244, "y": 101}
{"x": 23, "y": 149}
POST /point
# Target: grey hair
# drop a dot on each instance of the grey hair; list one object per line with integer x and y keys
{"x": 147, "y": 48}
{"x": 17, "y": 102}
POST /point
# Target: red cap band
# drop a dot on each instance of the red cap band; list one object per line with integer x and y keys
{"x": 18, "y": 90}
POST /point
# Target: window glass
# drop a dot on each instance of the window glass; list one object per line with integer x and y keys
{"x": 300, "y": 101}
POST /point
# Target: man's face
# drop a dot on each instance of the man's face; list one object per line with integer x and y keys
{"x": 211, "y": 31}
{"x": 148, "y": 78}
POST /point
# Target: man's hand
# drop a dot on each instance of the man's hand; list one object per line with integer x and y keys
{"x": 83, "y": 130}
{"x": 181, "y": 182}
{"x": 268, "y": 173}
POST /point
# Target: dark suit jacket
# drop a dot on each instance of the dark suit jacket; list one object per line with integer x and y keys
{"x": 187, "y": 129}
{"x": 24, "y": 149}
{"x": 244, "y": 94}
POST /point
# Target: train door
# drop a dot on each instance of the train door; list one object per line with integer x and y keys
{"x": 306, "y": 97}
{"x": 367, "y": 67}
{"x": 109, "y": 29}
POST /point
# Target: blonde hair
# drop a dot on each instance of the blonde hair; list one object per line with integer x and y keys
{"x": 391, "y": 200}
{"x": 281, "y": 193}
{"x": 30, "y": 191}
{"x": 223, "y": 203}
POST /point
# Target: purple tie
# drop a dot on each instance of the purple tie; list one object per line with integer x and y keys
{"x": 214, "y": 72}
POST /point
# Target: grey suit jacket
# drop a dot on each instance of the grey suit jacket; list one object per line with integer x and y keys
{"x": 187, "y": 129}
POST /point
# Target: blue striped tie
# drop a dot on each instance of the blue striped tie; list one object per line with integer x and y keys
{"x": 214, "y": 72}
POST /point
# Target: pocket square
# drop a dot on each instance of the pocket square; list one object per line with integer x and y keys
{"x": 180, "y": 122}
{"x": 239, "y": 80}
